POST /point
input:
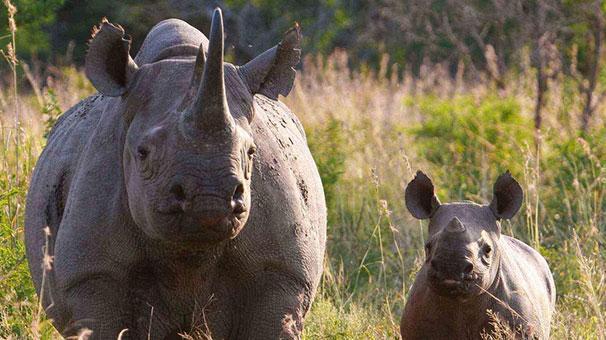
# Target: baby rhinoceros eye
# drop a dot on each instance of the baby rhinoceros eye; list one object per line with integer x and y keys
{"x": 486, "y": 253}
{"x": 487, "y": 249}
{"x": 251, "y": 151}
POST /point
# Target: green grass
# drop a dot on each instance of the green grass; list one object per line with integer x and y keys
{"x": 368, "y": 135}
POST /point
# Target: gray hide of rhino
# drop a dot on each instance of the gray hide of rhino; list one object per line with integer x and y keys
{"x": 180, "y": 199}
{"x": 471, "y": 268}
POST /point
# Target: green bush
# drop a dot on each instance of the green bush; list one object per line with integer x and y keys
{"x": 33, "y": 18}
{"x": 574, "y": 194}
{"x": 327, "y": 145}
{"x": 470, "y": 141}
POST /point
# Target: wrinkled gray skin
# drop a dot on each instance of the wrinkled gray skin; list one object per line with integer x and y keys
{"x": 182, "y": 198}
{"x": 471, "y": 268}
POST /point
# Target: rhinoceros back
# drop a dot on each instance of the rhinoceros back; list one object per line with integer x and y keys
{"x": 170, "y": 38}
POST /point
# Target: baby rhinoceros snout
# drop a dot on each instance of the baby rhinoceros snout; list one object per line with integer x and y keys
{"x": 452, "y": 258}
{"x": 452, "y": 269}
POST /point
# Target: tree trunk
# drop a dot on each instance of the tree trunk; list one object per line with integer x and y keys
{"x": 541, "y": 89}
{"x": 589, "y": 108}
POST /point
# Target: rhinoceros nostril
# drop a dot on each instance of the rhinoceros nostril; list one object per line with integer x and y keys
{"x": 176, "y": 202}
{"x": 238, "y": 192}
{"x": 178, "y": 192}
{"x": 468, "y": 268}
{"x": 237, "y": 200}
{"x": 434, "y": 264}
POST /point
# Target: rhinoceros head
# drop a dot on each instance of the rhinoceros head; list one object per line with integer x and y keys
{"x": 189, "y": 146}
{"x": 462, "y": 253}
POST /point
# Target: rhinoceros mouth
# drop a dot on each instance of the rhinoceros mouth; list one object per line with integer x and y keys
{"x": 452, "y": 287}
{"x": 206, "y": 226}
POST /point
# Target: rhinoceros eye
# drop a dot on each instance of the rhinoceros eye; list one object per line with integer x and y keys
{"x": 247, "y": 161}
{"x": 142, "y": 152}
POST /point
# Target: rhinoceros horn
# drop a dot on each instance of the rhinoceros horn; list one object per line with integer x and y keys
{"x": 209, "y": 111}
{"x": 455, "y": 226}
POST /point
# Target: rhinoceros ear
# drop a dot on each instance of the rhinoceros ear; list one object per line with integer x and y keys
{"x": 108, "y": 64}
{"x": 507, "y": 197}
{"x": 272, "y": 73}
{"x": 420, "y": 198}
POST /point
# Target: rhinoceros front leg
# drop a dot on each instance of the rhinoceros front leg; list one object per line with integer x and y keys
{"x": 273, "y": 307}
{"x": 99, "y": 306}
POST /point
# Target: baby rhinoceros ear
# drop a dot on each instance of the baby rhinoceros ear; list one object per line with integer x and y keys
{"x": 108, "y": 64}
{"x": 507, "y": 197}
{"x": 273, "y": 72}
{"x": 420, "y": 198}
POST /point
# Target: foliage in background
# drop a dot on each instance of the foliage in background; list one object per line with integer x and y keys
{"x": 410, "y": 31}
{"x": 324, "y": 22}
{"x": 329, "y": 145}
{"x": 51, "y": 112}
{"x": 471, "y": 141}
{"x": 34, "y": 18}
{"x": 472, "y": 39}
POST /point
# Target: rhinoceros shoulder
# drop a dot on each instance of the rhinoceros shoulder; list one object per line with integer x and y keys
{"x": 527, "y": 282}
{"x": 70, "y": 118}
{"x": 65, "y": 144}
{"x": 279, "y": 117}
{"x": 525, "y": 257}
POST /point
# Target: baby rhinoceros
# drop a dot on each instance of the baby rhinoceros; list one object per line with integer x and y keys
{"x": 474, "y": 276}
{"x": 180, "y": 199}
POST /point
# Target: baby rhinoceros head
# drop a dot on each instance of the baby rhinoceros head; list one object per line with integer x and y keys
{"x": 462, "y": 252}
{"x": 188, "y": 151}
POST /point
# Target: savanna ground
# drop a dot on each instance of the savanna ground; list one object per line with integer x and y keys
{"x": 369, "y": 132}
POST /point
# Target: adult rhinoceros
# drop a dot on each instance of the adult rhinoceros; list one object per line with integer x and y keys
{"x": 159, "y": 221}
